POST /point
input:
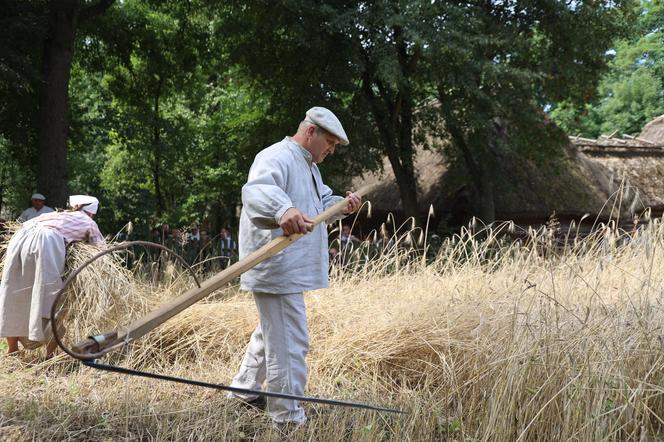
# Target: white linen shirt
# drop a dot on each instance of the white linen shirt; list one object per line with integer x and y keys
{"x": 283, "y": 176}
{"x": 30, "y": 213}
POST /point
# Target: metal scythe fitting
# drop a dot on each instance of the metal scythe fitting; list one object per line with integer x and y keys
{"x": 94, "y": 344}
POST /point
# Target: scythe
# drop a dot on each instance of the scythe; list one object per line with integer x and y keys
{"x": 100, "y": 344}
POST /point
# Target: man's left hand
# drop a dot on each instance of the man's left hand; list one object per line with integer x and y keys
{"x": 354, "y": 202}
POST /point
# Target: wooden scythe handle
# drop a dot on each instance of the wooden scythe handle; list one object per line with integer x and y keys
{"x": 101, "y": 344}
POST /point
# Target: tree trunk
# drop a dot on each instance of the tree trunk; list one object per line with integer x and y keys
{"x": 156, "y": 144}
{"x": 476, "y": 155}
{"x": 52, "y": 115}
{"x": 487, "y": 206}
{"x": 406, "y": 182}
{"x": 52, "y": 121}
{"x": 2, "y": 188}
{"x": 480, "y": 175}
{"x": 402, "y": 119}
{"x": 401, "y": 161}
{"x": 394, "y": 122}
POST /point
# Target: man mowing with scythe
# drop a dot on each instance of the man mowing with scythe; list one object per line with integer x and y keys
{"x": 283, "y": 193}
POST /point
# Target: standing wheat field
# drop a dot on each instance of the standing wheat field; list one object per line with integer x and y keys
{"x": 489, "y": 340}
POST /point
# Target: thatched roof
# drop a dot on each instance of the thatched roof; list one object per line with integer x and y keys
{"x": 591, "y": 171}
{"x": 654, "y": 131}
{"x": 611, "y": 144}
{"x": 429, "y": 170}
{"x": 637, "y": 179}
{"x": 522, "y": 189}
{"x": 526, "y": 189}
{"x": 628, "y": 168}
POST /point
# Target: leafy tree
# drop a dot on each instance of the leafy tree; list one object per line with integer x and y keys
{"x": 23, "y": 25}
{"x": 630, "y": 94}
{"x": 36, "y": 50}
{"x": 15, "y": 181}
{"x": 172, "y": 99}
{"x": 229, "y": 116}
{"x": 632, "y": 90}
{"x": 383, "y": 64}
{"x": 152, "y": 73}
{"x": 64, "y": 17}
{"x": 177, "y": 120}
{"x": 356, "y": 58}
{"x": 505, "y": 62}
{"x": 577, "y": 119}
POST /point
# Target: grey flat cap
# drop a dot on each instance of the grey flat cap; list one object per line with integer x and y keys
{"x": 38, "y": 196}
{"x": 324, "y": 118}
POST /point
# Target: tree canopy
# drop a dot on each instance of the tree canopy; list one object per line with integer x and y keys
{"x": 631, "y": 93}
{"x": 168, "y": 101}
{"x": 467, "y": 72}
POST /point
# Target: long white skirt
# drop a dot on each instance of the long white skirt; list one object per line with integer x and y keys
{"x": 32, "y": 275}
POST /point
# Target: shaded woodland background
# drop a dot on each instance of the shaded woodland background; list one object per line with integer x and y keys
{"x": 158, "y": 107}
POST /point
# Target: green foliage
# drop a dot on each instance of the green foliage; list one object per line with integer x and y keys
{"x": 170, "y": 100}
{"x": 632, "y": 101}
{"x": 577, "y": 120}
{"x": 170, "y": 126}
{"x": 497, "y": 67}
{"x": 303, "y": 54}
{"x": 22, "y": 25}
{"x": 630, "y": 94}
{"x": 228, "y": 117}
{"x": 91, "y": 120}
{"x": 15, "y": 181}
{"x": 492, "y": 66}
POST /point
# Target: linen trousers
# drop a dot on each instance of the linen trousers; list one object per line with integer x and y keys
{"x": 276, "y": 354}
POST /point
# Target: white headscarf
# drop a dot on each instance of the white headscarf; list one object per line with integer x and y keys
{"x": 91, "y": 201}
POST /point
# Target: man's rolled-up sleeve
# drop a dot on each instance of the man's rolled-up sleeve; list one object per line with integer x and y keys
{"x": 263, "y": 196}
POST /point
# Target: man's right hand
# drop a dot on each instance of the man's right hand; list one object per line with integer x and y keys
{"x": 294, "y": 221}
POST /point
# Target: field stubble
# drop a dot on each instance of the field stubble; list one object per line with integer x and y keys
{"x": 491, "y": 340}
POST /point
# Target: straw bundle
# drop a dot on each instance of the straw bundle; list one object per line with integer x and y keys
{"x": 102, "y": 296}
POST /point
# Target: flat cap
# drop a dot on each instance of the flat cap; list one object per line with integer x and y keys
{"x": 38, "y": 196}
{"x": 324, "y": 118}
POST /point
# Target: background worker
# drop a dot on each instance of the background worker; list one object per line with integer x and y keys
{"x": 38, "y": 208}
{"x": 34, "y": 264}
{"x": 283, "y": 194}
{"x": 227, "y": 246}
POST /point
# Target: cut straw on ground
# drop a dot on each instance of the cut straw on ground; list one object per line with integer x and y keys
{"x": 490, "y": 340}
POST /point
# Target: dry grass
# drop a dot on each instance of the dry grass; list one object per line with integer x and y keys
{"x": 491, "y": 341}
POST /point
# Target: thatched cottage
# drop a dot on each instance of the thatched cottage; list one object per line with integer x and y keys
{"x": 595, "y": 177}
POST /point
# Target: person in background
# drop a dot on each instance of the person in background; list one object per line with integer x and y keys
{"x": 283, "y": 193}
{"x": 206, "y": 249}
{"x": 155, "y": 235}
{"x": 165, "y": 235}
{"x": 346, "y": 236}
{"x": 227, "y": 246}
{"x": 34, "y": 265}
{"x": 206, "y": 242}
{"x": 38, "y": 208}
{"x": 333, "y": 256}
{"x": 194, "y": 233}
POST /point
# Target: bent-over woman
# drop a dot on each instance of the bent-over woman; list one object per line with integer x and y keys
{"x": 34, "y": 264}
